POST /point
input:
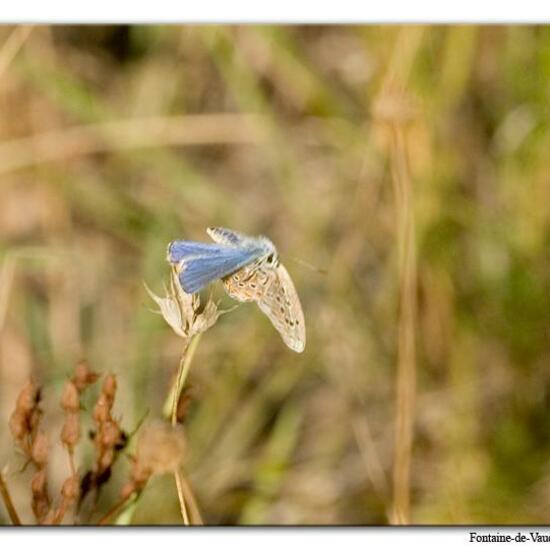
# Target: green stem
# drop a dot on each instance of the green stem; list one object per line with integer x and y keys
{"x": 171, "y": 404}
{"x": 173, "y": 398}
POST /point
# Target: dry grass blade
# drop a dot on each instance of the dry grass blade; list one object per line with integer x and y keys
{"x": 406, "y": 366}
{"x": 62, "y": 144}
{"x": 12, "y": 46}
{"x": 396, "y": 109}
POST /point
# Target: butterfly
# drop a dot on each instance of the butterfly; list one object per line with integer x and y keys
{"x": 250, "y": 270}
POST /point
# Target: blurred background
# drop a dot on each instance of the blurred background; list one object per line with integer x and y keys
{"x": 116, "y": 140}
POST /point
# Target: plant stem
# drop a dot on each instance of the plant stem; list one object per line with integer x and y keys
{"x": 183, "y": 371}
{"x": 8, "y": 502}
{"x": 181, "y": 497}
{"x": 185, "y": 365}
{"x": 118, "y": 507}
{"x": 194, "y": 511}
{"x": 406, "y": 361}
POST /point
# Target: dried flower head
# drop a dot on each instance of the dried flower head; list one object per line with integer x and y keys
{"x": 70, "y": 433}
{"x": 70, "y": 399}
{"x": 108, "y": 437}
{"x": 26, "y": 416}
{"x": 40, "y": 499}
{"x": 182, "y": 311}
{"x": 83, "y": 376}
{"x": 39, "y": 450}
{"x": 70, "y": 488}
{"x": 160, "y": 447}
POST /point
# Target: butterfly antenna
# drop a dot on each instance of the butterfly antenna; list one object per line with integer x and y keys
{"x": 310, "y": 266}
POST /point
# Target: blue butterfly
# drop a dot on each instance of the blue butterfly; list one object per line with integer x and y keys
{"x": 199, "y": 264}
{"x": 251, "y": 272}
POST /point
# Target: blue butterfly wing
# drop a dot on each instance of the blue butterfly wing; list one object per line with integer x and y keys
{"x": 203, "y": 263}
{"x": 178, "y": 250}
{"x": 227, "y": 237}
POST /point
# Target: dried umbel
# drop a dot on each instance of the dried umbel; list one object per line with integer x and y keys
{"x": 183, "y": 312}
{"x": 160, "y": 449}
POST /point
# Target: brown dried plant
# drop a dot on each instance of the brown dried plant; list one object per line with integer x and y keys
{"x": 24, "y": 425}
{"x": 108, "y": 438}
{"x": 160, "y": 449}
{"x": 34, "y": 443}
{"x": 32, "y": 440}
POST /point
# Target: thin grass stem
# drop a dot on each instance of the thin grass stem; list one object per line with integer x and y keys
{"x": 194, "y": 511}
{"x": 181, "y": 497}
{"x": 406, "y": 362}
{"x": 183, "y": 371}
{"x": 6, "y": 497}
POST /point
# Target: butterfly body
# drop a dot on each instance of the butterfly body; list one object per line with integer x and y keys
{"x": 250, "y": 270}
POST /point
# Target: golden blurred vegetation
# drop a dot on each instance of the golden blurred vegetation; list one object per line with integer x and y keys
{"x": 409, "y": 163}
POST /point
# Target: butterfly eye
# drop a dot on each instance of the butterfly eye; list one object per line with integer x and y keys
{"x": 273, "y": 259}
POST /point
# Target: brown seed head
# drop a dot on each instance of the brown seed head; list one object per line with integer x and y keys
{"x": 70, "y": 489}
{"x": 110, "y": 434}
{"x": 83, "y": 376}
{"x": 40, "y": 501}
{"x": 39, "y": 451}
{"x": 70, "y": 434}
{"x": 28, "y": 398}
{"x": 107, "y": 459}
{"x": 102, "y": 409}
{"x": 109, "y": 387}
{"x": 33, "y": 419}
{"x": 18, "y": 425}
{"x": 70, "y": 398}
{"x": 160, "y": 448}
{"x": 38, "y": 483}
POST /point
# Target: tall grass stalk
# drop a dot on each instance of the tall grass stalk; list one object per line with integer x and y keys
{"x": 406, "y": 362}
